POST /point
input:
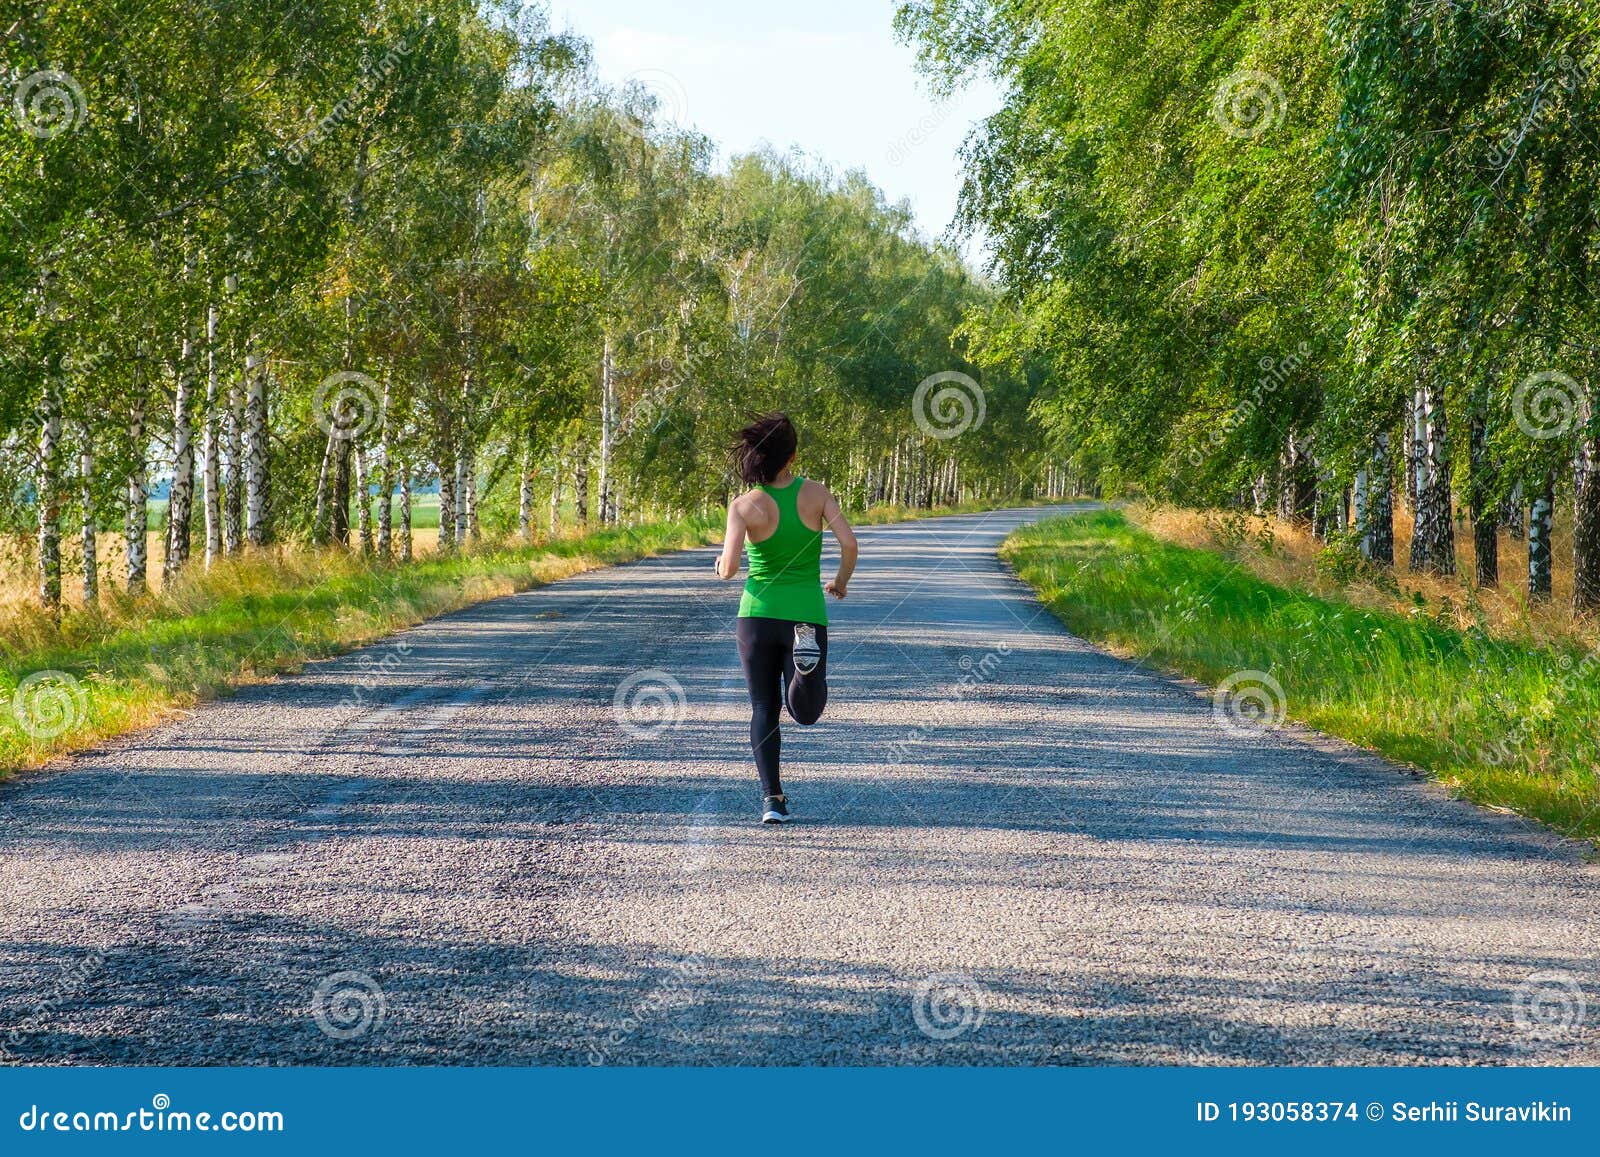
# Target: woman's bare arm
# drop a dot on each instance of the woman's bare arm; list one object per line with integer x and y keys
{"x": 834, "y": 519}
{"x": 732, "y": 543}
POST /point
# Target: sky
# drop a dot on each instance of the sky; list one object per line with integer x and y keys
{"x": 826, "y": 76}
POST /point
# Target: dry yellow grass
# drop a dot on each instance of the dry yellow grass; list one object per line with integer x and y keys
{"x": 1295, "y": 555}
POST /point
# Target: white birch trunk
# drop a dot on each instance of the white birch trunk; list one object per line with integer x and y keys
{"x": 608, "y": 405}
{"x": 233, "y": 476}
{"x": 210, "y": 472}
{"x": 136, "y": 514}
{"x": 255, "y": 451}
{"x": 91, "y": 561}
{"x": 525, "y": 496}
{"x": 48, "y": 484}
{"x": 181, "y": 498}
{"x": 363, "y": 502}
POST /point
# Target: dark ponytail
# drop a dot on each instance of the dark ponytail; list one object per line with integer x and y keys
{"x": 764, "y": 448}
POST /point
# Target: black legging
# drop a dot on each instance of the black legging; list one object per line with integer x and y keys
{"x": 766, "y": 649}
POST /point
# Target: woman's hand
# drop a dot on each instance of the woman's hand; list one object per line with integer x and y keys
{"x": 835, "y": 588}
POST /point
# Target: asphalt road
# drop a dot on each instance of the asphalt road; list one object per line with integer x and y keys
{"x": 525, "y": 833}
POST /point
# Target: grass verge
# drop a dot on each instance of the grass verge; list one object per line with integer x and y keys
{"x": 1502, "y": 722}
{"x": 64, "y": 688}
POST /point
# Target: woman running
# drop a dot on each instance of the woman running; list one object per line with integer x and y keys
{"x": 783, "y": 620}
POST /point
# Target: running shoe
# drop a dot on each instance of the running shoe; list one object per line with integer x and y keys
{"x": 807, "y": 654}
{"x": 777, "y": 810}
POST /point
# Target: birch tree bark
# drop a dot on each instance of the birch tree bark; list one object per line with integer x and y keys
{"x": 405, "y": 512}
{"x": 1539, "y": 546}
{"x": 1297, "y": 501}
{"x": 447, "y": 462}
{"x": 1586, "y": 519}
{"x": 256, "y": 512}
{"x": 210, "y": 472}
{"x": 136, "y": 512}
{"x": 1433, "y": 539}
{"x": 1485, "y": 513}
{"x": 180, "y": 500}
{"x": 323, "y": 511}
{"x": 525, "y": 493}
{"x": 1376, "y": 523}
{"x": 608, "y": 423}
{"x": 233, "y": 472}
{"x": 580, "y": 487}
{"x": 48, "y": 485}
{"x": 555, "y": 497}
{"x": 363, "y": 497}
{"x": 91, "y": 561}
{"x": 385, "y": 543}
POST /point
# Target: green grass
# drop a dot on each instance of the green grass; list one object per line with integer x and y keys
{"x": 141, "y": 659}
{"x": 1504, "y": 724}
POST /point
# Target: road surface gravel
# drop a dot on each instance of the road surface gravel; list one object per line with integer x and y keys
{"x": 525, "y": 833}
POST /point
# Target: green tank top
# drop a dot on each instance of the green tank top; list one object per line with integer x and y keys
{"x": 786, "y": 567}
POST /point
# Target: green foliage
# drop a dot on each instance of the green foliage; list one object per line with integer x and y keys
{"x": 1220, "y": 223}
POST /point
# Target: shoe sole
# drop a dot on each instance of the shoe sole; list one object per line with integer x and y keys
{"x": 807, "y": 665}
{"x": 775, "y": 818}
